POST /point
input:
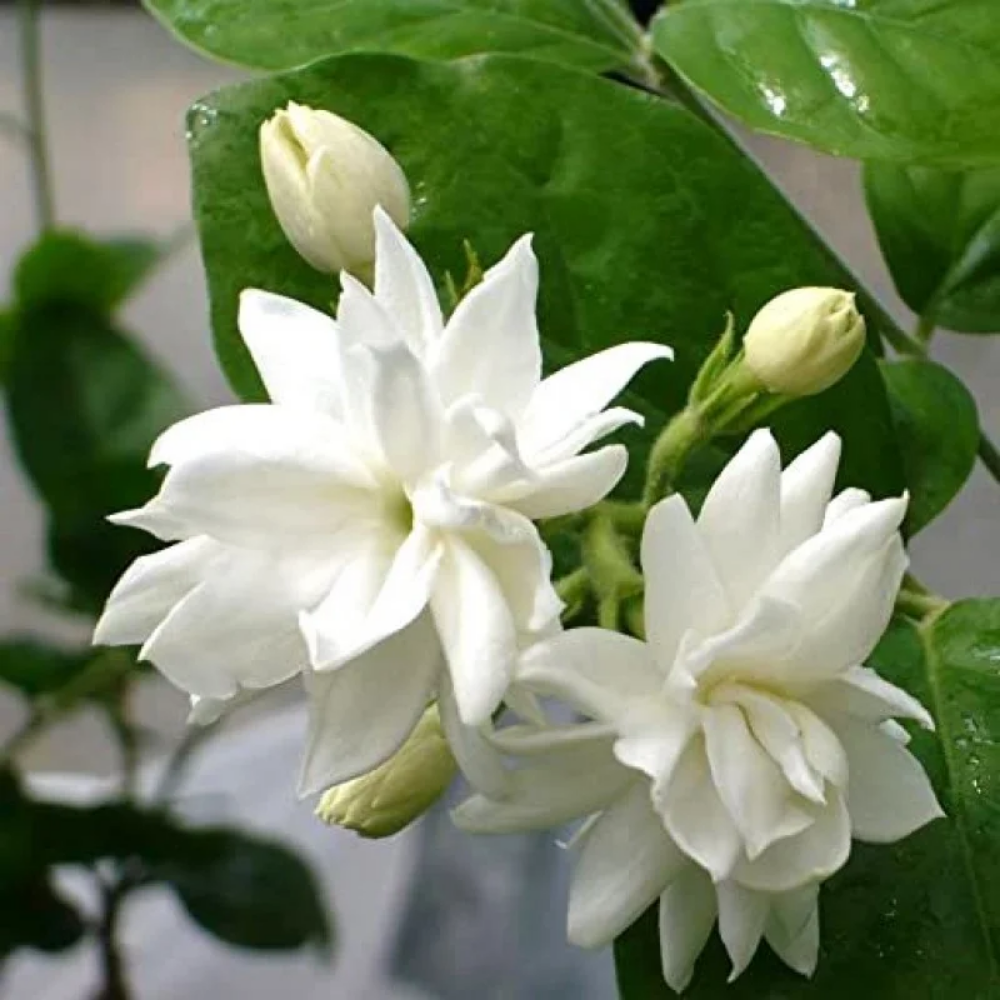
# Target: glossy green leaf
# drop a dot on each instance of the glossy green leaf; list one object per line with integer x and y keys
{"x": 648, "y": 223}
{"x": 35, "y": 667}
{"x": 916, "y": 81}
{"x": 246, "y": 891}
{"x": 940, "y": 234}
{"x": 937, "y": 426}
{"x": 596, "y": 35}
{"x": 71, "y": 268}
{"x": 915, "y": 919}
{"x": 85, "y": 404}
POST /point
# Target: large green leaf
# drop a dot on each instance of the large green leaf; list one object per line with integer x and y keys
{"x": 916, "y": 920}
{"x": 596, "y": 35}
{"x": 648, "y": 223}
{"x": 245, "y": 890}
{"x": 937, "y": 426}
{"x": 85, "y": 405}
{"x": 916, "y": 81}
{"x": 940, "y": 233}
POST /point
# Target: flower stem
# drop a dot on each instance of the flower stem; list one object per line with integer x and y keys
{"x": 915, "y": 601}
{"x": 671, "y": 449}
{"x": 34, "y": 107}
{"x": 114, "y": 985}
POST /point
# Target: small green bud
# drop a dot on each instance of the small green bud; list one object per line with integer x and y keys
{"x": 391, "y": 797}
{"x": 804, "y": 340}
{"x": 325, "y": 176}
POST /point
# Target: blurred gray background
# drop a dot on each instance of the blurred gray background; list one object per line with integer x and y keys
{"x": 118, "y": 86}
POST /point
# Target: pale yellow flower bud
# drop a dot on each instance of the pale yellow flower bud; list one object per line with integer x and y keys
{"x": 386, "y": 800}
{"x": 325, "y": 176}
{"x": 804, "y": 340}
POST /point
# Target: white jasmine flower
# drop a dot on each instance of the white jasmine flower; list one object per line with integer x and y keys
{"x": 374, "y": 521}
{"x": 765, "y": 742}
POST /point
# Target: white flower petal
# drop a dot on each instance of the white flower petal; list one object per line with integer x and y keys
{"x": 534, "y": 740}
{"x": 862, "y": 693}
{"x": 888, "y": 792}
{"x": 297, "y": 351}
{"x": 477, "y": 631}
{"x": 696, "y": 817}
{"x": 360, "y": 715}
{"x": 823, "y": 750}
{"x": 844, "y": 502}
{"x": 407, "y": 417}
{"x": 377, "y": 593}
{"x": 149, "y": 588}
{"x": 403, "y": 287}
{"x": 739, "y": 519}
{"x": 742, "y": 916}
{"x": 792, "y": 928}
{"x": 687, "y": 914}
{"x": 155, "y": 520}
{"x": 363, "y": 319}
{"x": 571, "y": 485}
{"x": 813, "y": 855}
{"x": 626, "y": 861}
{"x": 683, "y": 592}
{"x": 599, "y": 672}
{"x": 592, "y": 429}
{"x": 572, "y": 396}
{"x": 653, "y": 739}
{"x": 491, "y": 344}
{"x": 478, "y": 758}
{"x": 806, "y": 486}
{"x": 565, "y": 784}
{"x": 238, "y": 627}
{"x": 755, "y": 793}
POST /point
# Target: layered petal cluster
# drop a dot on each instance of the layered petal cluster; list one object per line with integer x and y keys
{"x": 732, "y": 755}
{"x": 371, "y": 527}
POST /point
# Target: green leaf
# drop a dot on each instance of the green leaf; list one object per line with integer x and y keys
{"x": 940, "y": 234}
{"x": 937, "y": 427}
{"x": 246, "y": 891}
{"x": 596, "y": 35}
{"x": 85, "y": 405}
{"x": 34, "y": 915}
{"x": 916, "y": 81}
{"x": 648, "y": 223}
{"x": 71, "y": 268}
{"x": 36, "y": 667}
{"x": 915, "y": 919}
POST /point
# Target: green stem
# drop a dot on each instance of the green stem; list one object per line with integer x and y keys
{"x": 989, "y": 456}
{"x": 34, "y": 106}
{"x": 669, "y": 453}
{"x": 925, "y": 330}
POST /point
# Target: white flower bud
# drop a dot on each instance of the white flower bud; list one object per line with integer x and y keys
{"x": 325, "y": 177}
{"x": 805, "y": 340}
{"x": 386, "y": 800}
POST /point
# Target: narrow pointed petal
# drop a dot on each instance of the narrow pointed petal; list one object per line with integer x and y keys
{"x": 860, "y": 692}
{"x": 739, "y": 520}
{"x": 653, "y": 738}
{"x": 491, "y": 344}
{"x": 150, "y": 588}
{"x": 813, "y": 855}
{"x": 378, "y": 592}
{"x": 575, "y": 394}
{"x": 792, "y": 928}
{"x": 478, "y": 759}
{"x": 571, "y": 485}
{"x": 563, "y": 785}
{"x": 482, "y": 445}
{"x": 888, "y": 792}
{"x": 742, "y": 916}
{"x": 403, "y": 286}
{"x": 408, "y": 419}
{"x": 363, "y": 319}
{"x": 297, "y": 351}
{"x": 822, "y": 748}
{"x": 844, "y": 502}
{"x": 696, "y": 817}
{"x": 806, "y": 487}
{"x": 360, "y": 715}
{"x": 477, "y": 632}
{"x": 626, "y": 861}
{"x": 752, "y": 787}
{"x": 601, "y": 673}
{"x": 592, "y": 429}
{"x": 154, "y": 519}
{"x": 687, "y": 915}
{"x": 683, "y": 591}
{"x": 238, "y": 627}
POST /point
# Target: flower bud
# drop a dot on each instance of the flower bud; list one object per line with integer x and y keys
{"x": 325, "y": 177}
{"x": 386, "y": 800}
{"x": 804, "y": 340}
